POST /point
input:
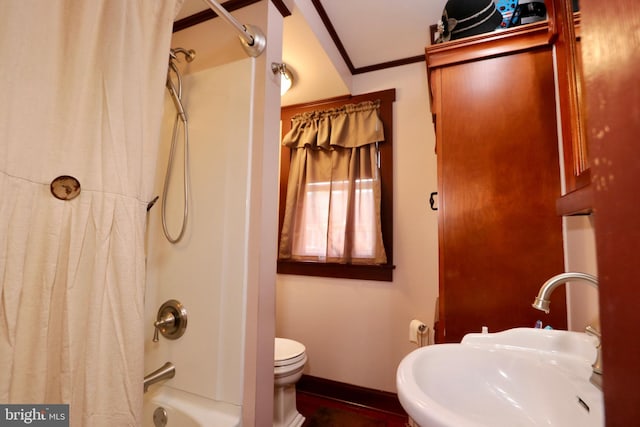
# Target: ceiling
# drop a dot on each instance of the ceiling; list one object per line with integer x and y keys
{"x": 327, "y": 42}
{"x": 380, "y": 31}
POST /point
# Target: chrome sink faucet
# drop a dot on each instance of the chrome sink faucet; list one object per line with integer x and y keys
{"x": 542, "y": 300}
{"x": 542, "y": 303}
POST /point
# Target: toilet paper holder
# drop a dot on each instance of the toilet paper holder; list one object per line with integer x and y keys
{"x": 417, "y": 331}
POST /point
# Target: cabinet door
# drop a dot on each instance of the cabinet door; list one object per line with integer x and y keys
{"x": 498, "y": 170}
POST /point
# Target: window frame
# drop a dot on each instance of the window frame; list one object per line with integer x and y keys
{"x": 383, "y": 272}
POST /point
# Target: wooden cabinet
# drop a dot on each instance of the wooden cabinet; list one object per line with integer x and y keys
{"x": 493, "y": 101}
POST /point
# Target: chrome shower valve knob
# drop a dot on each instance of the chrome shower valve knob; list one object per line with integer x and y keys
{"x": 171, "y": 321}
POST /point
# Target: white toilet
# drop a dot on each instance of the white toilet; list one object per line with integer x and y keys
{"x": 289, "y": 360}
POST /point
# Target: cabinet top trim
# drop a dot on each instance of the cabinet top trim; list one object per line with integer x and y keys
{"x": 489, "y": 44}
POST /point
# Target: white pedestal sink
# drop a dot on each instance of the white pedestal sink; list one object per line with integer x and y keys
{"x": 519, "y": 377}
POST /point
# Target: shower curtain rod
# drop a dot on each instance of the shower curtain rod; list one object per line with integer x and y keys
{"x": 252, "y": 39}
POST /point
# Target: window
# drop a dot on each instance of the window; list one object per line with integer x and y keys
{"x": 314, "y": 242}
{"x": 319, "y": 247}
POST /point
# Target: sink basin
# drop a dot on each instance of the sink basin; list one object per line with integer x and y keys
{"x": 519, "y": 377}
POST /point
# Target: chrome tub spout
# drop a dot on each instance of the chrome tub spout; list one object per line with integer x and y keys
{"x": 165, "y": 372}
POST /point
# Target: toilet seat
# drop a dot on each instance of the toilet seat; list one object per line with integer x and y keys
{"x": 288, "y": 352}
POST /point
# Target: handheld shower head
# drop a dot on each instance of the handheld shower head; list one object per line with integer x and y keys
{"x": 189, "y": 55}
{"x": 175, "y": 89}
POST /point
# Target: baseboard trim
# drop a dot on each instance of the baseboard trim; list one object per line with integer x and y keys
{"x": 348, "y": 393}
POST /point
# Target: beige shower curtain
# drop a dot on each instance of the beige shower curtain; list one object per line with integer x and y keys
{"x": 82, "y": 84}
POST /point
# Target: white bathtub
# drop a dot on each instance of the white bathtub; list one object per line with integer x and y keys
{"x": 188, "y": 410}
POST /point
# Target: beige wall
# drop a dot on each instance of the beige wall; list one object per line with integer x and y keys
{"x": 262, "y": 204}
{"x": 580, "y": 255}
{"x": 357, "y": 331}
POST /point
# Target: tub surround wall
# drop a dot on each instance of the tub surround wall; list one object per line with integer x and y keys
{"x": 240, "y": 216}
{"x": 205, "y": 270}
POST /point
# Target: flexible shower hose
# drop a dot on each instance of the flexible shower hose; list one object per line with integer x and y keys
{"x": 167, "y": 180}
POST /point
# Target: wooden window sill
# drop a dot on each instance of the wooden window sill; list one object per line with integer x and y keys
{"x": 382, "y": 273}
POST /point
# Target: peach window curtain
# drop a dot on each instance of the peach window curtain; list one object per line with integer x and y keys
{"x": 82, "y": 88}
{"x": 333, "y": 194}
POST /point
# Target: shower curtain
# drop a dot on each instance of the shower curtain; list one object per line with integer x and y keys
{"x": 82, "y": 84}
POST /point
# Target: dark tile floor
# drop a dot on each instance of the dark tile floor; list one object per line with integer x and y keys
{"x": 324, "y": 412}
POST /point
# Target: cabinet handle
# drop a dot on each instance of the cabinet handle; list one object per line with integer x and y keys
{"x": 432, "y": 201}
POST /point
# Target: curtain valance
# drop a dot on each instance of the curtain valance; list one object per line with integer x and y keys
{"x": 349, "y": 126}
